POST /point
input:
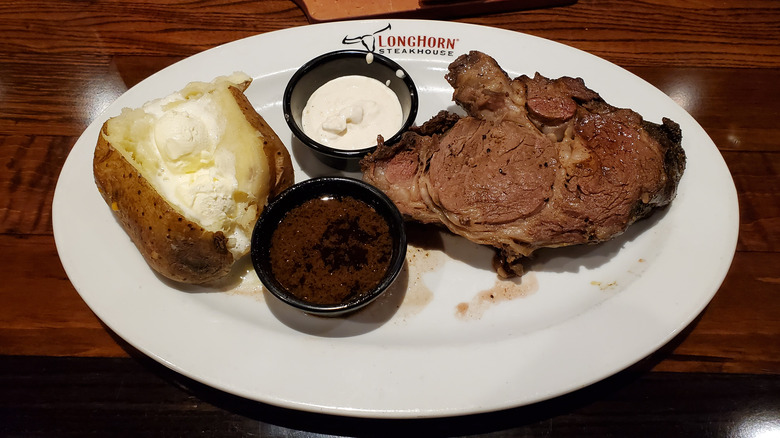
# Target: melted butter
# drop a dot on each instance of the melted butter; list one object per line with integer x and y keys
{"x": 198, "y": 151}
{"x": 349, "y": 113}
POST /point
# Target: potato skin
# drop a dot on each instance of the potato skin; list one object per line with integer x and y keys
{"x": 171, "y": 244}
{"x": 279, "y": 160}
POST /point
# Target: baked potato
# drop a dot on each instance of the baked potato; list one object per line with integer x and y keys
{"x": 188, "y": 176}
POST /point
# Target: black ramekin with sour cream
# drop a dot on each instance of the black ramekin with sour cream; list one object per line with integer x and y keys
{"x": 324, "y": 68}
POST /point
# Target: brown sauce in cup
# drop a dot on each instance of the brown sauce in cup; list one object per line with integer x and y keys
{"x": 330, "y": 250}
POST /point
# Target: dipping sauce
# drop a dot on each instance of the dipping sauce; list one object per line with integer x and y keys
{"x": 330, "y": 250}
{"x": 349, "y": 112}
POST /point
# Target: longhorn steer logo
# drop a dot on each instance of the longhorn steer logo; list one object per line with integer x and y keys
{"x": 368, "y": 41}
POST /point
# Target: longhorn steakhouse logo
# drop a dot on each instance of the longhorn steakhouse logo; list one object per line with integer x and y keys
{"x": 384, "y": 42}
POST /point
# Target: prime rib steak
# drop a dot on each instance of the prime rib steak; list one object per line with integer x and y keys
{"x": 536, "y": 162}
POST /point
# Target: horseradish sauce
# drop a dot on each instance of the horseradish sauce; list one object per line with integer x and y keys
{"x": 349, "y": 112}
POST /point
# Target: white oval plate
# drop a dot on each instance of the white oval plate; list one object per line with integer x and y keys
{"x": 580, "y": 315}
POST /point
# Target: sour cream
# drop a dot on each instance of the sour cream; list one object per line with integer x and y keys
{"x": 349, "y": 113}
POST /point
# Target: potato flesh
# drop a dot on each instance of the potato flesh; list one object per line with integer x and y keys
{"x": 199, "y": 152}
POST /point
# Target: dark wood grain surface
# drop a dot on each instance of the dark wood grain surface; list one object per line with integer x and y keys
{"x": 62, "y": 372}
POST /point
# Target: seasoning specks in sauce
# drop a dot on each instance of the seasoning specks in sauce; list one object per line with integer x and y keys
{"x": 330, "y": 250}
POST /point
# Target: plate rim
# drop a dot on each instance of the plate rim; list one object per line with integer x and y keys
{"x": 73, "y": 269}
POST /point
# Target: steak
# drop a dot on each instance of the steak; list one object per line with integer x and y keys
{"x": 534, "y": 163}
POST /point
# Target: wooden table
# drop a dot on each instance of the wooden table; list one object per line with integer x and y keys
{"x": 62, "y": 372}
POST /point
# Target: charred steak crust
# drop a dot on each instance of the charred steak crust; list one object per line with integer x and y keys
{"x": 669, "y": 135}
{"x": 536, "y": 162}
